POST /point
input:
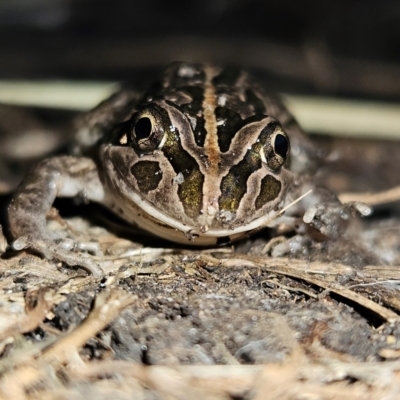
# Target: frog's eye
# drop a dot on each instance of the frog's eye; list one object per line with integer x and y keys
{"x": 275, "y": 153}
{"x": 143, "y": 128}
{"x": 281, "y": 145}
{"x": 147, "y": 130}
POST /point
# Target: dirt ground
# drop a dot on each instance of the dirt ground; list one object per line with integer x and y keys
{"x": 225, "y": 323}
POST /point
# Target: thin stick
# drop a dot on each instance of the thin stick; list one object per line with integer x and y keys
{"x": 291, "y": 204}
{"x": 373, "y": 199}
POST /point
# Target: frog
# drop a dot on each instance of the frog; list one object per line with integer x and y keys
{"x": 203, "y": 157}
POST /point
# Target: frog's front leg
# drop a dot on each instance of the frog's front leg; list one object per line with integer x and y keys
{"x": 323, "y": 211}
{"x": 320, "y": 215}
{"x": 64, "y": 176}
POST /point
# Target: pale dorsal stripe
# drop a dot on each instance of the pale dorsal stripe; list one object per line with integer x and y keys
{"x": 210, "y": 122}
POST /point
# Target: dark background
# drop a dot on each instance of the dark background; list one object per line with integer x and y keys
{"x": 337, "y": 47}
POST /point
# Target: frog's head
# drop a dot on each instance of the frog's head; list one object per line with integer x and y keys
{"x": 188, "y": 161}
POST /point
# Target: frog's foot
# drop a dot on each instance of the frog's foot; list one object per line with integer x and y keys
{"x": 332, "y": 219}
{"x": 65, "y": 250}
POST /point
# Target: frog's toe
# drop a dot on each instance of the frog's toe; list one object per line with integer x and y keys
{"x": 359, "y": 207}
{"x": 72, "y": 245}
{"x": 332, "y": 219}
{"x": 81, "y": 260}
{"x": 64, "y": 251}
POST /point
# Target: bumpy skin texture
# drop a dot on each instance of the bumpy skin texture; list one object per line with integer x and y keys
{"x": 54, "y": 177}
{"x": 203, "y": 156}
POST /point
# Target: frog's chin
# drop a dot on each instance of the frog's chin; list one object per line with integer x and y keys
{"x": 172, "y": 230}
{"x": 144, "y": 215}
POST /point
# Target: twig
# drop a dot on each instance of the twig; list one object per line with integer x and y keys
{"x": 302, "y": 270}
{"x": 373, "y": 199}
{"x": 107, "y": 307}
{"x": 34, "y": 316}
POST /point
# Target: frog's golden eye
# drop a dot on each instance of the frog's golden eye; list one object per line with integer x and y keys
{"x": 147, "y": 131}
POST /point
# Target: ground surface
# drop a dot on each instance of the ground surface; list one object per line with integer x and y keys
{"x": 228, "y": 323}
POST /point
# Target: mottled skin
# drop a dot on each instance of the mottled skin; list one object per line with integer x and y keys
{"x": 202, "y": 158}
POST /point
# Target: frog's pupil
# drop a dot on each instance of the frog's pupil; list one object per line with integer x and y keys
{"x": 281, "y": 145}
{"x": 143, "y": 128}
